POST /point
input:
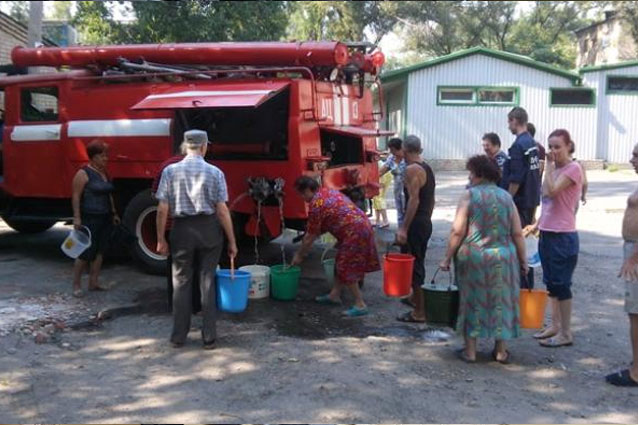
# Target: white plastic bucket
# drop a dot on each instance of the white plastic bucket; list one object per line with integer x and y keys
{"x": 328, "y": 265}
{"x": 77, "y": 242}
{"x": 531, "y": 246}
{"x": 259, "y": 281}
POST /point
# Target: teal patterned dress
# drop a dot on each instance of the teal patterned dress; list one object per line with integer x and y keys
{"x": 487, "y": 268}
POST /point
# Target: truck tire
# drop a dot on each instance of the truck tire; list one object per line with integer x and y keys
{"x": 139, "y": 218}
{"x": 28, "y": 226}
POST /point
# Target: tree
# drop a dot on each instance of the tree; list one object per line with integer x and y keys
{"x": 434, "y": 28}
{"x": 206, "y": 20}
{"x": 19, "y": 10}
{"x": 340, "y": 20}
{"x": 544, "y": 33}
{"x": 497, "y": 20}
{"x": 628, "y": 10}
{"x": 95, "y": 24}
{"x": 61, "y": 11}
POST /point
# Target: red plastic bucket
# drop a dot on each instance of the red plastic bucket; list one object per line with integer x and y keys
{"x": 397, "y": 274}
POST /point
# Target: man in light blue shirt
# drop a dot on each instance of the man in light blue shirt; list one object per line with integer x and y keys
{"x": 195, "y": 193}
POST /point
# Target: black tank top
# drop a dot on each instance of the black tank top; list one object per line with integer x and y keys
{"x": 426, "y": 195}
{"x": 96, "y": 195}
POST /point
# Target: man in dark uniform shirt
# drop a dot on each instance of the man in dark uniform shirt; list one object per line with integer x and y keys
{"x": 521, "y": 175}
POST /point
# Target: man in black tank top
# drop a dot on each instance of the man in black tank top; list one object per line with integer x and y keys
{"x": 416, "y": 230}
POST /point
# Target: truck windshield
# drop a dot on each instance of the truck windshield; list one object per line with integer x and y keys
{"x": 245, "y": 133}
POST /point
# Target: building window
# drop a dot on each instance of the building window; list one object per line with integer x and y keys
{"x": 39, "y": 104}
{"x": 497, "y": 96}
{"x": 477, "y": 96}
{"x": 572, "y": 97}
{"x": 622, "y": 84}
{"x": 457, "y": 95}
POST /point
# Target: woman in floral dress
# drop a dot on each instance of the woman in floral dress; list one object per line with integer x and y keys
{"x": 488, "y": 249}
{"x": 331, "y": 211}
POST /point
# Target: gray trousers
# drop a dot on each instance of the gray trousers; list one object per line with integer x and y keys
{"x": 195, "y": 240}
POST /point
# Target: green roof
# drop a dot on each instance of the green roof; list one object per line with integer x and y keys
{"x": 498, "y": 54}
{"x": 607, "y": 67}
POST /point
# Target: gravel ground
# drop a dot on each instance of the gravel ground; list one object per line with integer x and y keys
{"x": 105, "y": 358}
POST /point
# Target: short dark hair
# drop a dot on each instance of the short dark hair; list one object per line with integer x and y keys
{"x": 305, "y": 182}
{"x": 484, "y": 168}
{"x": 96, "y": 147}
{"x": 493, "y": 139}
{"x": 395, "y": 143}
{"x": 531, "y": 129}
{"x": 519, "y": 114}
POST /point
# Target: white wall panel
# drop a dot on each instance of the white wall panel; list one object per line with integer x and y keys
{"x": 617, "y": 116}
{"x": 454, "y": 132}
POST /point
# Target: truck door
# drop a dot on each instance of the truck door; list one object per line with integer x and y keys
{"x": 34, "y": 163}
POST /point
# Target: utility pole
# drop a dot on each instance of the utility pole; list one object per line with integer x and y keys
{"x": 34, "y": 28}
{"x": 34, "y": 37}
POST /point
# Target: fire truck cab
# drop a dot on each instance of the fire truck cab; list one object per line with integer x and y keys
{"x": 273, "y": 111}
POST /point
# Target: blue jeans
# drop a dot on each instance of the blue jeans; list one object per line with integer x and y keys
{"x": 559, "y": 256}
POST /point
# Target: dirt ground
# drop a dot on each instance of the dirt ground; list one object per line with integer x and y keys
{"x": 282, "y": 362}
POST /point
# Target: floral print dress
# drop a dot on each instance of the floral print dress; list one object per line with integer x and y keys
{"x": 487, "y": 268}
{"x": 332, "y": 212}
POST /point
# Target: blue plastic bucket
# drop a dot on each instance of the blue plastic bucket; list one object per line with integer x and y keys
{"x": 232, "y": 294}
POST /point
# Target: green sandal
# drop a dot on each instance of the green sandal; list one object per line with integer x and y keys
{"x": 355, "y": 311}
{"x": 326, "y": 300}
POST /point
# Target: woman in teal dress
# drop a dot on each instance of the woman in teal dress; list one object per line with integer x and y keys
{"x": 488, "y": 249}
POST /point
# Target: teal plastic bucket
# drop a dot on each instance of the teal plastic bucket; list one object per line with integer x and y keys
{"x": 232, "y": 294}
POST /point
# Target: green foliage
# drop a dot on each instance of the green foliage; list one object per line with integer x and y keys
{"x": 544, "y": 32}
{"x": 19, "y": 10}
{"x": 205, "y": 20}
{"x": 61, "y": 11}
{"x": 629, "y": 11}
{"x": 340, "y": 20}
{"x": 95, "y": 24}
{"x": 547, "y": 32}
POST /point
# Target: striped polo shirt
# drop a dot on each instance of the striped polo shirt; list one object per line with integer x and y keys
{"x": 192, "y": 187}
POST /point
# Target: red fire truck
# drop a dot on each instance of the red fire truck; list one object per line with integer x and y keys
{"x": 273, "y": 111}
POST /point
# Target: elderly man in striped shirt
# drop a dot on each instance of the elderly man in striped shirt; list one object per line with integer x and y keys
{"x": 195, "y": 193}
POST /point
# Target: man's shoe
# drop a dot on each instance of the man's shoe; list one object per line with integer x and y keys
{"x": 177, "y": 344}
{"x": 210, "y": 345}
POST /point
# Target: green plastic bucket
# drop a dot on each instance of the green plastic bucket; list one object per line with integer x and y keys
{"x": 441, "y": 302}
{"x": 284, "y": 283}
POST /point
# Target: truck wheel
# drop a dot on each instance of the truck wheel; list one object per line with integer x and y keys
{"x": 139, "y": 217}
{"x": 28, "y": 226}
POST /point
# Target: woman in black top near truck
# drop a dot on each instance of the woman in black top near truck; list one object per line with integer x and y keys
{"x": 93, "y": 207}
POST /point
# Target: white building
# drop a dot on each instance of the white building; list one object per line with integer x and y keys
{"x": 451, "y": 101}
{"x": 616, "y": 88}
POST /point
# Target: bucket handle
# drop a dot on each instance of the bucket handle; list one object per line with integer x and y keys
{"x": 88, "y": 231}
{"x": 388, "y": 247}
{"x": 232, "y": 268}
{"x": 325, "y": 251}
{"x": 433, "y": 281}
